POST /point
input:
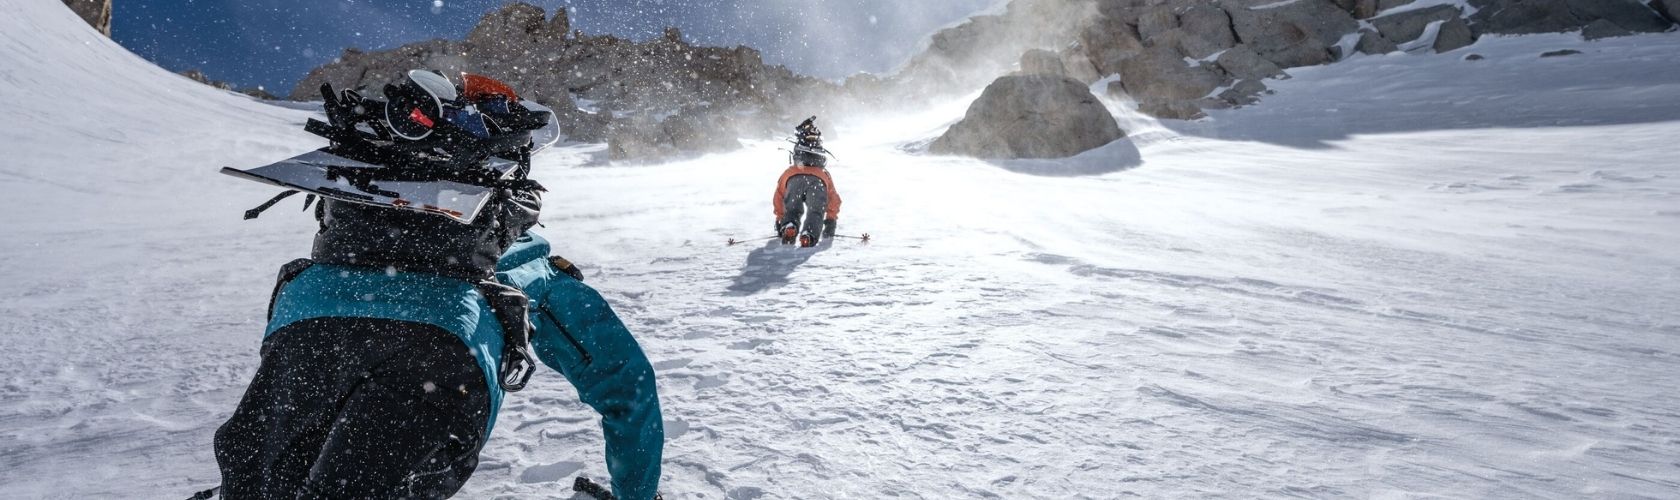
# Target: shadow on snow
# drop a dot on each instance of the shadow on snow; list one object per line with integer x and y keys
{"x": 770, "y": 265}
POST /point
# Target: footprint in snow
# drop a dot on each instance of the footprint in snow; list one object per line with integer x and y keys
{"x": 550, "y": 473}
{"x": 747, "y": 345}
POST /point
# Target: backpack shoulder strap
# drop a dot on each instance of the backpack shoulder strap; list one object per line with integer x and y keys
{"x": 288, "y": 272}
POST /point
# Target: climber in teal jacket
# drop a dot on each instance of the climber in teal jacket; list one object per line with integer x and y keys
{"x": 360, "y": 333}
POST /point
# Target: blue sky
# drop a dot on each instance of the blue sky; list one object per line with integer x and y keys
{"x": 273, "y": 43}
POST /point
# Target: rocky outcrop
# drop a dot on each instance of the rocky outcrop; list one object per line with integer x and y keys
{"x": 1170, "y": 109}
{"x": 1243, "y": 93}
{"x": 1240, "y": 62}
{"x": 1407, "y": 26}
{"x": 1602, "y": 29}
{"x": 1031, "y": 116}
{"x": 1079, "y": 66}
{"x": 517, "y": 27}
{"x": 1177, "y": 57}
{"x": 1160, "y": 73}
{"x": 96, "y": 12}
{"x": 1042, "y": 62}
{"x": 1554, "y": 16}
{"x": 977, "y": 51}
{"x": 1291, "y": 34}
{"x": 1668, "y": 8}
{"x": 1108, "y": 41}
{"x": 629, "y": 88}
{"x": 1372, "y": 42}
{"x": 1453, "y": 34}
{"x": 690, "y": 132}
{"x": 1204, "y": 30}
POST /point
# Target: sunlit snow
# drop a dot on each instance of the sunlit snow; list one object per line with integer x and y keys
{"x": 1399, "y": 276}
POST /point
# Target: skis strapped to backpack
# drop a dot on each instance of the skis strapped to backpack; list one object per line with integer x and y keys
{"x": 365, "y": 164}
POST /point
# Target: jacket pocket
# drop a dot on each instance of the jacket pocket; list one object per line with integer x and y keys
{"x": 583, "y": 354}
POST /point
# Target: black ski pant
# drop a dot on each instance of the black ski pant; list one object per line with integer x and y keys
{"x": 804, "y": 205}
{"x": 356, "y": 408}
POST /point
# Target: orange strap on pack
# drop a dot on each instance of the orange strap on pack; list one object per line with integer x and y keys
{"x": 479, "y": 87}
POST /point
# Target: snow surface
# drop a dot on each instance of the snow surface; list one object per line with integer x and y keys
{"x": 1400, "y": 276}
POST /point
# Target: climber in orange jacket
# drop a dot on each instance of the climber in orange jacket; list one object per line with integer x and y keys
{"x": 806, "y": 205}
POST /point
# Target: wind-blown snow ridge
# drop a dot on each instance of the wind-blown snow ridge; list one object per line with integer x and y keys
{"x": 1399, "y": 277}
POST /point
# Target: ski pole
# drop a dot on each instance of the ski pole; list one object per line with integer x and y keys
{"x": 733, "y": 241}
{"x": 865, "y": 237}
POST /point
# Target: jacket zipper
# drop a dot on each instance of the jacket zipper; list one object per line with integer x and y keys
{"x": 584, "y": 353}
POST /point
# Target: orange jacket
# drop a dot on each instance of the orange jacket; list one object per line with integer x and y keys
{"x": 833, "y": 211}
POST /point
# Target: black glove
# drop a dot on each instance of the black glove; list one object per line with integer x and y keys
{"x": 828, "y": 227}
{"x": 565, "y": 266}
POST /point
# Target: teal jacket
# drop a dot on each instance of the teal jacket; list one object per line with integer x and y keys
{"x": 576, "y": 334}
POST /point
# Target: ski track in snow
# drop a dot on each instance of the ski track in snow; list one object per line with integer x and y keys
{"x": 1399, "y": 276}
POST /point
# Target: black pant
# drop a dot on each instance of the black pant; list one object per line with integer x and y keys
{"x": 806, "y": 200}
{"x": 356, "y": 408}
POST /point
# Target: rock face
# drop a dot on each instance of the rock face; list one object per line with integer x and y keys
{"x": 1407, "y": 26}
{"x": 603, "y": 88}
{"x": 1206, "y": 30}
{"x": 1032, "y": 116}
{"x": 1240, "y": 62}
{"x": 1079, "y": 66}
{"x": 1299, "y": 33}
{"x": 1454, "y": 34}
{"x": 1668, "y": 8}
{"x": 1174, "y": 57}
{"x": 1554, "y": 16}
{"x": 1108, "y": 41}
{"x": 1372, "y": 42}
{"x": 977, "y": 51}
{"x": 1160, "y": 73}
{"x": 1177, "y": 57}
{"x": 1603, "y": 28}
{"x": 1042, "y": 62}
{"x": 95, "y": 12}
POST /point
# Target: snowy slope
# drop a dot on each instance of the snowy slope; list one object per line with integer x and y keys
{"x": 1400, "y": 276}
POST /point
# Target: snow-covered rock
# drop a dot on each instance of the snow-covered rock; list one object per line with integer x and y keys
{"x": 1033, "y": 116}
